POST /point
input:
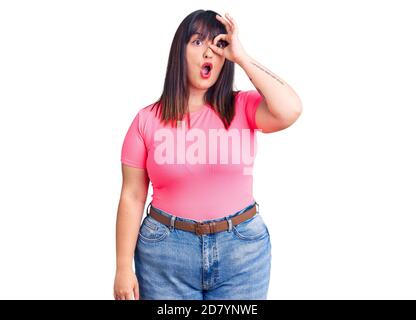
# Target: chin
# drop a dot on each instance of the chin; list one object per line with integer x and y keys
{"x": 201, "y": 85}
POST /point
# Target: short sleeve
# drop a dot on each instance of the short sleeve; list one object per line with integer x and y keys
{"x": 252, "y": 101}
{"x": 133, "y": 151}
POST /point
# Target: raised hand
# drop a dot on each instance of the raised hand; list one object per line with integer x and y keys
{"x": 234, "y": 51}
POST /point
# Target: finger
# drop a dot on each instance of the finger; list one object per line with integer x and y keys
{"x": 230, "y": 26}
{"x": 227, "y": 18}
{"x": 233, "y": 23}
{"x": 219, "y": 37}
{"x": 214, "y": 46}
{"x": 136, "y": 292}
{"x": 227, "y": 24}
{"x": 231, "y": 20}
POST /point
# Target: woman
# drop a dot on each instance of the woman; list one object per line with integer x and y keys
{"x": 202, "y": 237}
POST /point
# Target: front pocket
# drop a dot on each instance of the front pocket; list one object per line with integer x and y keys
{"x": 152, "y": 230}
{"x": 149, "y": 224}
{"x": 251, "y": 229}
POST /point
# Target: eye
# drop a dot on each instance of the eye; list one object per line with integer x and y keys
{"x": 196, "y": 40}
{"x": 222, "y": 43}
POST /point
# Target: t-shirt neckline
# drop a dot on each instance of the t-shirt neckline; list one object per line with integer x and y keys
{"x": 199, "y": 110}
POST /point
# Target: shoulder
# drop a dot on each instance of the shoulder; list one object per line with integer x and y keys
{"x": 246, "y": 98}
{"x": 147, "y": 120}
{"x": 246, "y": 104}
{"x": 146, "y": 113}
{"x": 247, "y": 95}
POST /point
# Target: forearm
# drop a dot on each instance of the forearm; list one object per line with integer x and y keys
{"x": 280, "y": 98}
{"x": 129, "y": 216}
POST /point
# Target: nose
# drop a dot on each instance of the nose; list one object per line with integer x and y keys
{"x": 208, "y": 52}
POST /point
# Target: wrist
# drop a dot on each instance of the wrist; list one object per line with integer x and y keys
{"x": 242, "y": 60}
{"x": 124, "y": 267}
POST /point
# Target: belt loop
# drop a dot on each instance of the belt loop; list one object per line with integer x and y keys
{"x": 147, "y": 209}
{"x": 172, "y": 222}
{"x": 230, "y": 223}
{"x": 258, "y": 207}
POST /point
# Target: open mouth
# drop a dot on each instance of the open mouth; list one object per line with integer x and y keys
{"x": 206, "y": 70}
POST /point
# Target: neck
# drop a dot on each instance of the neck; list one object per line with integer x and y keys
{"x": 196, "y": 99}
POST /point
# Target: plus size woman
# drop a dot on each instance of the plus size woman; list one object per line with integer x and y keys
{"x": 202, "y": 237}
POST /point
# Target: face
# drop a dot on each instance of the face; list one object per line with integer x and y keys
{"x": 197, "y": 53}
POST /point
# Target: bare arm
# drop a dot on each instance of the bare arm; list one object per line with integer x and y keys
{"x": 281, "y": 106}
{"x": 129, "y": 216}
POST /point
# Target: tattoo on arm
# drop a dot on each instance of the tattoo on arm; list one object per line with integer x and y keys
{"x": 269, "y": 73}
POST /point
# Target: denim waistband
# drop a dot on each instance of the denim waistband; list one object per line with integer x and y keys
{"x": 170, "y": 216}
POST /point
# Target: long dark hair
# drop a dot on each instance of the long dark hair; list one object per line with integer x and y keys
{"x": 172, "y": 104}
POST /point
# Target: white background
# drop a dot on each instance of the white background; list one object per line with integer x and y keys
{"x": 336, "y": 189}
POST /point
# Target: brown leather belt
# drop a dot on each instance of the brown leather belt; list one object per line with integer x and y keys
{"x": 204, "y": 228}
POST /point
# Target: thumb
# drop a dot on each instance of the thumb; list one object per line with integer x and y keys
{"x": 136, "y": 291}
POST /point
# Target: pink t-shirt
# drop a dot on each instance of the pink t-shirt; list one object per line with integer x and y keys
{"x": 202, "y": 172}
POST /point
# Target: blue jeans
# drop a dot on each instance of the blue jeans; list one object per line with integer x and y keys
{"x": 175, "y": 264}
